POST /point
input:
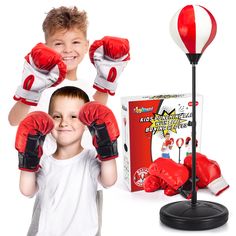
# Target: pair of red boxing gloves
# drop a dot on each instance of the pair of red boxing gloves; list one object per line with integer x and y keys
{"x": 33, "y": 129}
{"x": 175, "y": 178}
{"x": 44, "y": 68}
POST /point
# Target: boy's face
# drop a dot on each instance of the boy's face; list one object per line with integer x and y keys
{"x": 68, "y": 129}
{"x": 167, "y": 137}
{"x": 71, "y": 44}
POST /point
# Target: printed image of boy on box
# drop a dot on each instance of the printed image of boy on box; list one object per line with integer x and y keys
{"x": 167, "y": 146}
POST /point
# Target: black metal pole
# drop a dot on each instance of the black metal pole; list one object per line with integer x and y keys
{"x": 179, "y": 154}
{"x": 194, "y": 192}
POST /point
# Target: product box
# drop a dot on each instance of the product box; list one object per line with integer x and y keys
{"x": 156, "y": 126}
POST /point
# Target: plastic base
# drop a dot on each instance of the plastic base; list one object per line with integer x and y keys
{"x": 200, "y": 216}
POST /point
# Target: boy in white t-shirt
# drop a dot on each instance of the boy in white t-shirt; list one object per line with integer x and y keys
{"x": 167, "y": 146}
{"x": 55, "y": 63}
{"x": 66, "y": 182}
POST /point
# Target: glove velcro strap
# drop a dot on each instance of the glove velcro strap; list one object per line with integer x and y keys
{"x": 218, "y": 185}
{"x": 108, "y": 151}
{"x": 186, "y": 189}
{"x": 26, "y": 162}
{"x": 28, "y": 95}
{"x": 103, "y": 83}
{"x": 105, "y": 147}
{"x": 29, "y": 160}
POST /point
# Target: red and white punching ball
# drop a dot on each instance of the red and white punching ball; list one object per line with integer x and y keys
{"x": 193, "y": 28}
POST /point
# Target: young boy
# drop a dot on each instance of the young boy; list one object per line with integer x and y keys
{"x": 167, "y": 146}
{"x": 56, "y": 62}
{"x": 66, "y": 182}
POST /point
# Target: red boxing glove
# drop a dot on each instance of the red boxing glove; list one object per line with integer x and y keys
{"x": 153, "y": 183}
{"x": 43, "y": 68}
{"x": 167, "y": 143}
{"x": 175, "y": 175}
{"x": 30, "y": 137}
{"x": 208, "y": 173}
{"x": 168, "y": 191}
{"x": 109, "y": 56}
{"x": 187, "y": 140}
{"x": 103, "y": 127}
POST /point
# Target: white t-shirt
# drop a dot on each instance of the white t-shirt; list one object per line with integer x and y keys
{"x": 66, "y": 199}
{"x": 166, "y": 149}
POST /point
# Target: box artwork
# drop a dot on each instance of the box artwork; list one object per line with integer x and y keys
{"x": 156, "y": 126}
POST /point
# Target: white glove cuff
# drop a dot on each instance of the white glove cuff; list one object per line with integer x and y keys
{"x": 218, "y": 185}
{"x": 31, "y": 96}
{"x": 101, "y": 82}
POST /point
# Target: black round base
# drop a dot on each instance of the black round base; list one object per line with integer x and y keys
{"x": 200, "y": 216}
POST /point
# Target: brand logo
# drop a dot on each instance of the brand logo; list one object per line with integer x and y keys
{"x": 143, "y": 109}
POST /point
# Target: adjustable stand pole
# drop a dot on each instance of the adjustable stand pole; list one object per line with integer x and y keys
{"x": 194, "y": 192}
{"x": 179, "y": 154}
{"x": 194, "y": 214}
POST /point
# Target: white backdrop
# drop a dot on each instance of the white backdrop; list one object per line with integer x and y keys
{"x": 157, "y": 66}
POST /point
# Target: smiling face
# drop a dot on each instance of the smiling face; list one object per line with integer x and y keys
{"x": 68, "y": 129}
{"x": 71, "y": 44}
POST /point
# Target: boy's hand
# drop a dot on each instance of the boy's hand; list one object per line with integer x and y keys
{"x": 43, "y": 68}
{"x": 109, "y": 55}
{"x": 103, "y": 127}
{"x": 29, "y": 140}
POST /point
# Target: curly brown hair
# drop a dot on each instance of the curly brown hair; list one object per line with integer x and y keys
{"x": 64, "y": 18}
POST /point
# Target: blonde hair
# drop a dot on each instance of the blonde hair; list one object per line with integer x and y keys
{"x": 65, "y": 18}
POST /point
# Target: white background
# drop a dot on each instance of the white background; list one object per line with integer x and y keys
{"x": 157, "y": 66}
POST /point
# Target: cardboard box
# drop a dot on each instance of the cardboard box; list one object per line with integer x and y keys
{"x": 146, "y": 123}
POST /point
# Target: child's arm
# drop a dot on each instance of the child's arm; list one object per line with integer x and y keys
{"x": 100, "y": 97}
{"x": 29, "y": 140}
{"x": 28, "y": 185}
{"x": 18, "y": 113}
{"x": 108, "y": 174}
